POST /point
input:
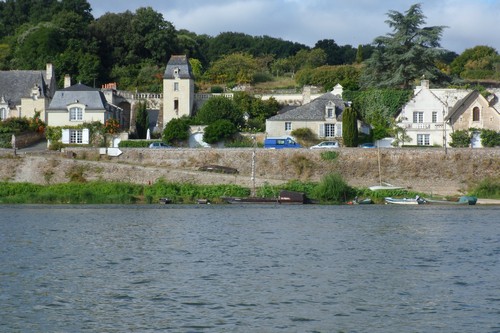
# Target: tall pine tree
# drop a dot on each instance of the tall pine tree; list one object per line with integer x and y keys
{"x": 408, "y": 53}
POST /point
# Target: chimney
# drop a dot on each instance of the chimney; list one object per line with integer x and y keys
{"x": 67, "y": 81}
{"x": 306, "y": 95}
{"x": 49, "y": 72}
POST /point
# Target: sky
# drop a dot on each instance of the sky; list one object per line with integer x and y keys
{"x": 469, "y": 22}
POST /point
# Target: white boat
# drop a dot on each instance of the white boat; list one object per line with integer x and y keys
{"x": 385, "y": 186}
{"x": 405, "y": 201}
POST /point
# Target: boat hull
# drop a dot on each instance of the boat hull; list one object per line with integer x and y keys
{"x": 404, "y": 201}
{"x": 463, "y": 200}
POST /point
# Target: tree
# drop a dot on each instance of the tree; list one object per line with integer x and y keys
{"x": 217, "y": 108}
{"x": 141, "y": 120}
{"x": 258, "y": 110}
{"x": 219, "y": 130}
{"x": 480, "y": 62}
{"x": 350, "y": 127}
{"x": 176, "y": 130}
{"x": 233, "y": 68}
{"x": 408, "y": 53}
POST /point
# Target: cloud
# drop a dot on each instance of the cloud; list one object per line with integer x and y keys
{"x": 470, "y": 23}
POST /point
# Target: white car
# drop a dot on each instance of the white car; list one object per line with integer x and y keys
{"x": 326, "y": 145}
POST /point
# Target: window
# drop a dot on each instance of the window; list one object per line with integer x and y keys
{"x": 3, "y": 114}
{"x": 75, "y": 114}
{"x": 475, "y": 114}
{"x": 434, "y": 116}
{"x": 423, "y": 140}
{"x": 288, "y": 126}
{"x": 75, "y": 136}
{"x": 329, "y": 130}
{"x": 176, "y": 106}
{"x": 176, "y": 86}
{"x": 330, "y": 112}
{"x": 418, "y": 117}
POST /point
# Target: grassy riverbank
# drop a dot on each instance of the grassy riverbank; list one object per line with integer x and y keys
{"x": 331, "y": 190}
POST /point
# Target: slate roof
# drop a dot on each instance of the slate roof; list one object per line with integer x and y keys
{"x": 182, "y": 63}
{"x": 15, "y": 85}
{"x": 92, "y": 98}
{"x": 465, "y": 103}
{"x": 313, "y": 111}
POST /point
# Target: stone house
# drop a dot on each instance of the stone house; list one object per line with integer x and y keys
{"x": 322, "y": 115}
{"x": 76, "y": 105}
{"x": 25, "y": 92}
{"x": 475, "y": 111}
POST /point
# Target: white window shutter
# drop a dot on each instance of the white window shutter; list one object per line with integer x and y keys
{"x": 321, "y": 130}
{"x": 85, "y": 136}
{"x": 339, "y": 129}
{"x": 65, "y": 136}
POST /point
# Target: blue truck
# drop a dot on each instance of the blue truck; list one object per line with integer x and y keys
{"x": 279, "y": 143}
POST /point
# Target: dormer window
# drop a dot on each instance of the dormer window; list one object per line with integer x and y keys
{"x": 176, "y": 72}
{"x": 75, "y": 114}
{"x": 330, "y": 110}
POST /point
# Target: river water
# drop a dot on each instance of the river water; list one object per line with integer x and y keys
{"x": 225, "y": 268}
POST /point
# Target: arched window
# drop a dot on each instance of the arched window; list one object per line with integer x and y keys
{"x": 475, "y": 114}
{"x": 3, "y": 113}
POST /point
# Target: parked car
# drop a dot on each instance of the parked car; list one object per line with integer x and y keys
{"x": 159, "y": 145}
{"x": 326, "y": 145}
{"x": 367, "y": 145}
{"x": 279, "y": 143}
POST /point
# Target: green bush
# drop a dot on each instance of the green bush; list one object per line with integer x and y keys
{"x": 333, "y": 188}
{"x": 216, "y": 90}
{"x": 490, "y": 138}
{"x": 487, "y": 188}
{"x": 136, "y": 143}
{"x": 460, "y": 139}
{"x": 177, "y": 130}
{"x": 329, "y": 155}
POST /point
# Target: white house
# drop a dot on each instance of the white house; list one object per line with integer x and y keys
{"x": 423, "y": 117}
{"x": 76, "y": 105}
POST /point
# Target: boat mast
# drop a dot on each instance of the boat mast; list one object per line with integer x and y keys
{"x": 253, "y": 165}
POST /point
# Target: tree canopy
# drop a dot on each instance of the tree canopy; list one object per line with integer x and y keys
{"x": 408, "y": 53}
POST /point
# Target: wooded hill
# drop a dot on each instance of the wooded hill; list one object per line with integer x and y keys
{"x": 132, "y": 48}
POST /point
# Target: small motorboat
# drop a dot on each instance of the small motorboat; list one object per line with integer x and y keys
{"x": 463, "y": 200}
{"x": 405, "y": 201}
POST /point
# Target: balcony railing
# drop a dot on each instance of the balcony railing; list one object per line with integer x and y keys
{"x": 420, "y": 126}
